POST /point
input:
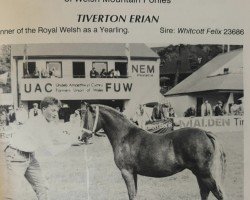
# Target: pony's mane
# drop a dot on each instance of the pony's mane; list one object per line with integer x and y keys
{"x": 114, "y": 112}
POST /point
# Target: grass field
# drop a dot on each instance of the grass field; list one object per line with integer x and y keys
{"x": 66, "y": 175}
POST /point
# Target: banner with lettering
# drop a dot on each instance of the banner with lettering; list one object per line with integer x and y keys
{"x": 75, "y": 89}
{"x": 214, "y": 123}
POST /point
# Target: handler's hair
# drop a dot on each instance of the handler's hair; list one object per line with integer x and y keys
{"x": 49, "y": 101}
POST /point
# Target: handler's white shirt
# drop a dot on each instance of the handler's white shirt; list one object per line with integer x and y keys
{"x": 43, "y": 137}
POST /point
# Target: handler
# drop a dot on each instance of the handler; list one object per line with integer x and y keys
{"x": 38, "y": 137}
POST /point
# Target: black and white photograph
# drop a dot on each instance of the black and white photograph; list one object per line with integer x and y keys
{"x": 121, "y": 121}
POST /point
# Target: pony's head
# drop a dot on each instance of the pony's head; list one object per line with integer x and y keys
{"x": 90, "y": 120}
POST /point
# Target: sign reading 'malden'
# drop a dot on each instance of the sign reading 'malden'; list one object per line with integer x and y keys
{"x": 214, "y": 123}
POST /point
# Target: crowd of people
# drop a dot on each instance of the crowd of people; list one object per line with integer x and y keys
{"x": 141, "y": 117}
{"x": 43, "y": 73}
{"x": 160, "y": 112}
{"x": 20, "y": 115}
{"x": 166, "y": 111}
{"x": 113, "y": 73}
{"x": 218, "y": 110}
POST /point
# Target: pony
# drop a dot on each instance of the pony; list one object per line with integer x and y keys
{"x": 139, "y": 152}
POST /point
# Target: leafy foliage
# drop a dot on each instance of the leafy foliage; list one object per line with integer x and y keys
{"x": 5, "y": 66}
{"x": 179, "y": 61}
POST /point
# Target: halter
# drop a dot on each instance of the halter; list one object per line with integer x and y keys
{"x": 95, "y": 122}
{"x": 96, "y": 119}
{"x": 85, "y": 149}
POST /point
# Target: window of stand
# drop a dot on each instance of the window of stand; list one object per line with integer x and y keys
{"x": 53, "y": 70}
{"x": 30, "y": 70}
{"x": 121, "y": 70}
{"x": 79, "y": 70}
{"x": 99, "y": 69}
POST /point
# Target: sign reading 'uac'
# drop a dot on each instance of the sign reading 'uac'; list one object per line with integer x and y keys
{"x": 71, "y": 89}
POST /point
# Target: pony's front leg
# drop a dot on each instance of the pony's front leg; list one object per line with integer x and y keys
{"x": 129, "y": 180}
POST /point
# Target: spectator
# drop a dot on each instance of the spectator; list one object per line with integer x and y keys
{"x": 141, "y": 117}
{"x": 52, "y": 73}
{"x": 157, "y": 113}
{"x": 93, "y": 73}
{"x": 165, "y": 108}
{"x": 111, "y": 73}
{"x": 35, "y": 111}
{"x": 11, "y": 115}
{"x": 103, "y": 73}
{"x": 118, "y": 109}
{"x": 206, "y": 109}
{"x": 241, "y": 108}
{"x": 117, "y": 73}
{"x": 21, "y": 115}
{"x": 45, "y": 73}
{"x": 234, "y": 109}
{"x": 36, "y": 74}
{"x": 190, "y": 112}
{"x": 6, "y": 132}
{"x": 64, "y": 113}
{"x": 172, "y": 113}
{"x": 3, "y": 118}
{"x": 218, "y": 109}
{"x": 75, "y": 118}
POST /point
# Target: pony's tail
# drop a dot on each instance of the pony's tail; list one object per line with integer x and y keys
{"x": 218, "y": 169}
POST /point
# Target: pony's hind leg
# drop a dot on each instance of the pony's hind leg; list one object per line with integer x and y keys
{"x": 135, "y": 180}
{"x": 130, "y": 182}
{"x": 204, "y": 190}
{"x": 208, "y": 184}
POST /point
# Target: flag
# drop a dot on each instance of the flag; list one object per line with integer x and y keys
{"x": 127, "y": 52}
{"x": 25, "y": 60}
{"x": 229, "y": 101}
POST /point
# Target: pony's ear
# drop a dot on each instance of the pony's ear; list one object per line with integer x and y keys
{"x": 86, "y": 104}
{"x": 91, "y": 108}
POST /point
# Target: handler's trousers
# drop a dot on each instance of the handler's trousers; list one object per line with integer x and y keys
{"x": 19, "y": 165}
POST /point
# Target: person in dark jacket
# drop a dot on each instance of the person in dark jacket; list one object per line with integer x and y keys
{"x": 190, "y": 112}
{"x": 157, "y": 113}
{"x": 93, "y": 73}
{"x": 218, "y": 110}
{"x": 11, "y": 115}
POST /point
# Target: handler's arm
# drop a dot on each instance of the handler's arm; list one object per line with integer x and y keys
{"x": 65, "y": 136}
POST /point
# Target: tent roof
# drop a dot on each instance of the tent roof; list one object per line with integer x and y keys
{"x": 102, "y": 50}
{"x": 205, "y": 78}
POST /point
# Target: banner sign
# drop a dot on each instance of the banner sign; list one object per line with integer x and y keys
{"x": 76, "y": 89}
{"x": 214, "y": 123}
{"x": 162, "y": 126}
{"x": 142, "y": 70}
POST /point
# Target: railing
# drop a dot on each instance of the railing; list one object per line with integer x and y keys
{"x": 74, "y": 76}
